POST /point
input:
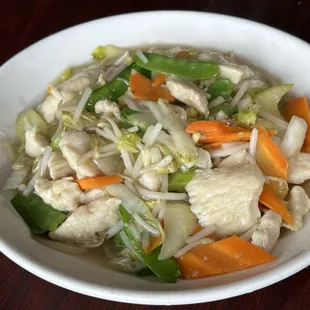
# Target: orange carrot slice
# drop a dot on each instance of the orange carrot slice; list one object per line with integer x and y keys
{"x": 270, "y": 200}
{"x": 299, "y": 107}
{"x": 159, "y": 79}
{"x": 95, "y": 182}
{"x": 220, "y": 257}
{"x": 142, "y": 88}
{"x": 182, "y": 54}
{"x": 268, "y": 156}
{"x": 212, "y": 127}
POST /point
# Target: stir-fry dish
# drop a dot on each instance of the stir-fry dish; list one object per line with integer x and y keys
{"x": 173, "y": 162}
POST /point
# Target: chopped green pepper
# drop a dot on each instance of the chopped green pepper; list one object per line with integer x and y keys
{"x": 179, "y": 179}
{"x": 114, "y": 89}
{"x": 166, "y": 269}
{"x": 225, "y": 107}
{"x": 39, "y": 216}
{"x": 187, "y": 68}
{"x": 221, "y": 87}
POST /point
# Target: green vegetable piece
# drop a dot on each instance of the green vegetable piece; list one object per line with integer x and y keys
{"x": 245, "y": 119}
{"x": 114, "y": 89}
{"x": 225, "y": 107}
{"x": 178, "y": 180}
{"x": 221, "y": 87}
{"x": 39, "y": 216}
{"x": 140, "y": 119}
{"x": 32, "y": 118}
{"x": 145, "y": 272}
{"x": 129, "y": 141}
{"x": 192, "y": 69}
{"x": 269, "y": 99}
{"x": 66, "y": 74}
{"x": 166, "y": 269}
{"x": 107, "y": 51}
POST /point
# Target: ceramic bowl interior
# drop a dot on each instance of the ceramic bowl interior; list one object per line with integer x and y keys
{"x": 23, "y": 82}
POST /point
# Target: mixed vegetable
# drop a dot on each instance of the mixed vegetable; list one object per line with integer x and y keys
{"x": 175, "y": 163}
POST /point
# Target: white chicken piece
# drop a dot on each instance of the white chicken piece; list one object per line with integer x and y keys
{"x": 299, "y": 169}
{"x": 58, "y": 166}
{"x": 204, "y": 161}
{"x": 92, "y": 195}
{"x": 235, "y": 73}
{"x": 35, "y": 143}
{"x": 80, "y": 81}
{"x": 237, "y": 159}
{"x": 87, "y": 225}
{"x": 268, "y": 231}
{"x": 73, "y": 145}
{"x": 63, "y": 195}
{"x": 108, "y": 108}
{"x": 299, "y": 206}
{"x": 226, "y": 198}
{"x": 48, "y": 109}
{"x": 110, "y": 165}
{"x": 189, "y": 94}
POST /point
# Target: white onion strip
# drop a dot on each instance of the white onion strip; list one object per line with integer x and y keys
{"x": 215, "y": 102}
{"x": 114, "y": 229}
{"x": 112, "y": 74}
{"x": 201, "y": 234}
{"x": 145, "y": 239}
{"x": 30, "y": 185}
{"x": 253, "y": 143}
{"x": 59, "y": 129}
{"x": 151, "y": 134}
{"x": 138, "y": 166}
{"x": 188, "y": 247}
{"x": 158, "y": 195}
{"x": 121, "y": 59}
{"x": 240, "y": 93}
{"x": 161, "y": 164}
{"x": 126, "y": 240}
{"x": 276, "y": 120}
{"x": 81, "y": 105}
{"x": 142, "y": 57}
{"x": 127, "y": 161}
{"x": 228, "y": 151}
{"x": 108, "y": 147}
{"x": 153, "y": 231}
{"x": 107, "y": 154}
{"x": 45, "y": 157}
{"x": 115, "y": 128}
{"x": 55, "y": 93}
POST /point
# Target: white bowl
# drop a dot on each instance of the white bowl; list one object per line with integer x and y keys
{"x": 23, "y": 81}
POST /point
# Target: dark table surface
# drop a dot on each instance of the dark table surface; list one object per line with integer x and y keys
{"x": 23, "y": 22}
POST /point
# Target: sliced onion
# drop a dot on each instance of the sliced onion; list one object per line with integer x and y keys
{"x": 223, "y": 152}
{"x": 45, "y": 157}
{"x": 153, "y": 231}
{"x": 158, "y": 195}
{"x": 188, "y": 247}
{"x": 114, "y": 229}
{"x": 81, "y": 105}
{"x": 142, "y": 57}
{"x": 201, "y": 234}
{"x": 276, "y": 120}
{"x": 240, "y": 93}
{"x": 253, "y": 143}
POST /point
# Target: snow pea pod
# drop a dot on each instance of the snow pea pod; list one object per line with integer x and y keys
{"x": 187, "y": 68}
{"x": 166, "y": 269}
{"x": 39, "y": 216}
{"x": 114, "y": 89}
{"x": 221, "y": 87}
{"x": 178, "y": 180}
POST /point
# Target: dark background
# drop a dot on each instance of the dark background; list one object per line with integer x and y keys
{"x": 23, "y": 22}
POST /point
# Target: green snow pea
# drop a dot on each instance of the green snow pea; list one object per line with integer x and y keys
{"x": 114, "y": 89}
{"x": 221, "y": 87}
{"x": 166, "y": 269}
{"x": 187, "y": 68}
{"x": 39, "y": 216}
{"x": 178, "y": 180}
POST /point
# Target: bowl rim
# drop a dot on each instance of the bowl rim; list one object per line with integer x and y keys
{"x": 206, "y": 294}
